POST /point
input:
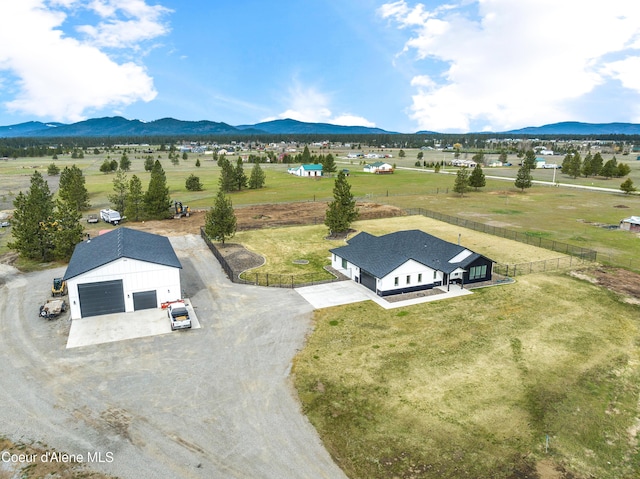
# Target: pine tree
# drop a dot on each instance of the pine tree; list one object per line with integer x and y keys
{"x": 239, "y": 177}
{"x": 198, "y": 162}
{"x": 125, "y": 162}
{"x": 156, "y": 200}
{"x": 257, "y": 178}
{"x": 596, "y": 164}
{"x": 523, "y": 178}
{"x": 53, "y": 170}
{"x": 120, "y": 190}
{"x": 134, "y": 204}
{"x": 342, "y": 210}
{"x": 226, "y": 180}
{"x": 529, "y": 159}
{"x": 461, "y": 184}
{"x": 329, "y": 164}
{"x": 32, "y": 217}
{"x": 610, "y": 168}
{"x": 72, "y": 188}
{"x": 68, "y": 231}
{"x": 627, "y": 186}
{"x": 477, "y": 178}
{"x": 306, "y": 155}
{"x": 220, "y": 220}
{"x": 193, "y": 183}
{"x": 572, "y": 164}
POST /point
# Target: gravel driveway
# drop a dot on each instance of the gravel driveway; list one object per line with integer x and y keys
{"x": 213, "y": 403}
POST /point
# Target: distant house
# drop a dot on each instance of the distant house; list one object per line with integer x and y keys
{"x": 306, "y": 170}
{"x": 378, "y": 167}
{"x": 355, "y": 155}
{"x": 630, "y": 224}
{"x": 408, "y": 261}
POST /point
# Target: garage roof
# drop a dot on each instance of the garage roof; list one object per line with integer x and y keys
{"x": 379, "y": 255}
{"x": 121, "y": 243}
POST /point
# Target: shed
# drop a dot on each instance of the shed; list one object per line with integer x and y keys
{"x": 632, "y": 223}
{"x": 407, "y": 261}
{"x": 124, "y": 270}
{"x": 378, "y": 167}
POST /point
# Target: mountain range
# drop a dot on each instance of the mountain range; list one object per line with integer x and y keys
{"x": 121, "y": 127}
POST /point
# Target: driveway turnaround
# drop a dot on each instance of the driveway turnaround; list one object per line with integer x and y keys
{"x": 216, "y": 402}
{"x": 346, "y": 292}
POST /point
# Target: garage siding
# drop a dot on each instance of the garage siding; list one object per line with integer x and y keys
{"x": 104, "y": 297}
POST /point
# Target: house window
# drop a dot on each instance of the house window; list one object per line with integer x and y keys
{"x": 344, "y": 263}
{"x": 408, "y": 279}
{"x": 476, "y": 272}
{"x": 419, "y": 277}
{"x": 396, "y": 281}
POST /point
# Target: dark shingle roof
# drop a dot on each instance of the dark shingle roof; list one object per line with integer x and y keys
{"x": 379, "y": 255}
{"x": 121, "y": 243}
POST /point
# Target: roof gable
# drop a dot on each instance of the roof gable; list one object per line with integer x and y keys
{"x": 121, "y": 243}
{"x": 379, "y": 255}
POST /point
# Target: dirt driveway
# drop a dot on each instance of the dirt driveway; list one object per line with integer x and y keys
{"x": 213, "y": 403}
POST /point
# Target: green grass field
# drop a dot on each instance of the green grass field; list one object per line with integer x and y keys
{"x": 561, "y": 214}
{"x": 472, "y": 387}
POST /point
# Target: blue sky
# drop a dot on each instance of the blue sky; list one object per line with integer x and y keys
{"x": 467, "y": 65}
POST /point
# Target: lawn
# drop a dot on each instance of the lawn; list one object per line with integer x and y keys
{"x": 282, "y": 246}
{"x": 472, "y": 387}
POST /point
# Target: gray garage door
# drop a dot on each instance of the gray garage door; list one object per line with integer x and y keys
{"x": 145, "y": 300}
{"x": 105, "y": 297}
{"x": 368, "y": 280}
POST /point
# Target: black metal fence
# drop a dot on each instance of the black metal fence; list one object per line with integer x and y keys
{"x": 268, "y": 279}
{"x": 522, "y": 237}
{"x": 554, "y": 264}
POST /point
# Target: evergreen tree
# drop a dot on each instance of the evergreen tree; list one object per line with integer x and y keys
{"x": 120, "y": 190}
{"x": 572, "y": 164}
{"x": 342, "y": 210}
{"x": 623, "y": 170}
{"x": 401, "y": 154}
{"x": 193, "y": 183}
{"x": 257, "y": 178}
{"x": 461, "y": 184}
{"x": 477, "y": 179}
{"x": 529, "y": 159}
{"x": 72, "y": 188}
{"x": 113, "y": 165}
{"x": 220, "y": 220}
{"x": 523, "y": 178}
{"x": 125, "y": 163}
{"x": 185, "y": 156}
{"x": 610, "y": 168}
{"x": 198, "y": 162}
{"x": 226, "y": 180}
{"x": 478, "y": 158}
{"x": 148, "y": 163}
{"x": 68, "y": 231}
{"x": 627, "y": 186}
{"x": 420, "y": 155}
{"x": 306, "y": 155}
{"x": 596, "y": 164}
{"x": 53, "y": 170}
{"x": 134, "y": 204}
{"x": 587, "y": 165}
{"x": 156, "y": 200}
{"x": 239, "y": 177}
{"x": 329, "y": 164}
{"x": 32, "y": 217}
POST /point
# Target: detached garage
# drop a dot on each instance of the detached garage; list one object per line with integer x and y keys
{"x": 123, "y": 270}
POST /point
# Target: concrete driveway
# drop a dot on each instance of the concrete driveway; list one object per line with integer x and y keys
{"x": 122, "y": 326}
{"x": 347, "y": 292}
{"x": 217, "y": 402}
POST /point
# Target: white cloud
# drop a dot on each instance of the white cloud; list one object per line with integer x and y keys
{"x": 60, "y": 77}
{"x": 510, "y": 64}
{"x": 309, "y": 105}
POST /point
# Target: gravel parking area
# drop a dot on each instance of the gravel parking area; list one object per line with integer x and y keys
{"x": 216, "y": 404}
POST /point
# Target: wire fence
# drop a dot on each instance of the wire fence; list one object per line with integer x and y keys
{"x": 522, "y": 237}
{"x": 554, "y": 264}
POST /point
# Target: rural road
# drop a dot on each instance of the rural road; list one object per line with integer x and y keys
{"x": 216, "y": 402}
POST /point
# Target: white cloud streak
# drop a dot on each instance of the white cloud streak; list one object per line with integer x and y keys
{"x": 511, "y": 64}
{"x": 309, "y": 105}
{"x": 59, "y": 77}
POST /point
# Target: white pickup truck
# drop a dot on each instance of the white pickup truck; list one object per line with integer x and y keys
{"x": 178, "y": 315}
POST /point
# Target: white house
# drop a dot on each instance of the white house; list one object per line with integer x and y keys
{"x": 306, "y": 170}
{"x": 408, "y": 261}
{"x": 123, "y": 270}
{"x": 378, "y": 167}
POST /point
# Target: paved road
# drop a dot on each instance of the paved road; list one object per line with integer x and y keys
{"x": 210, "y": 403}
